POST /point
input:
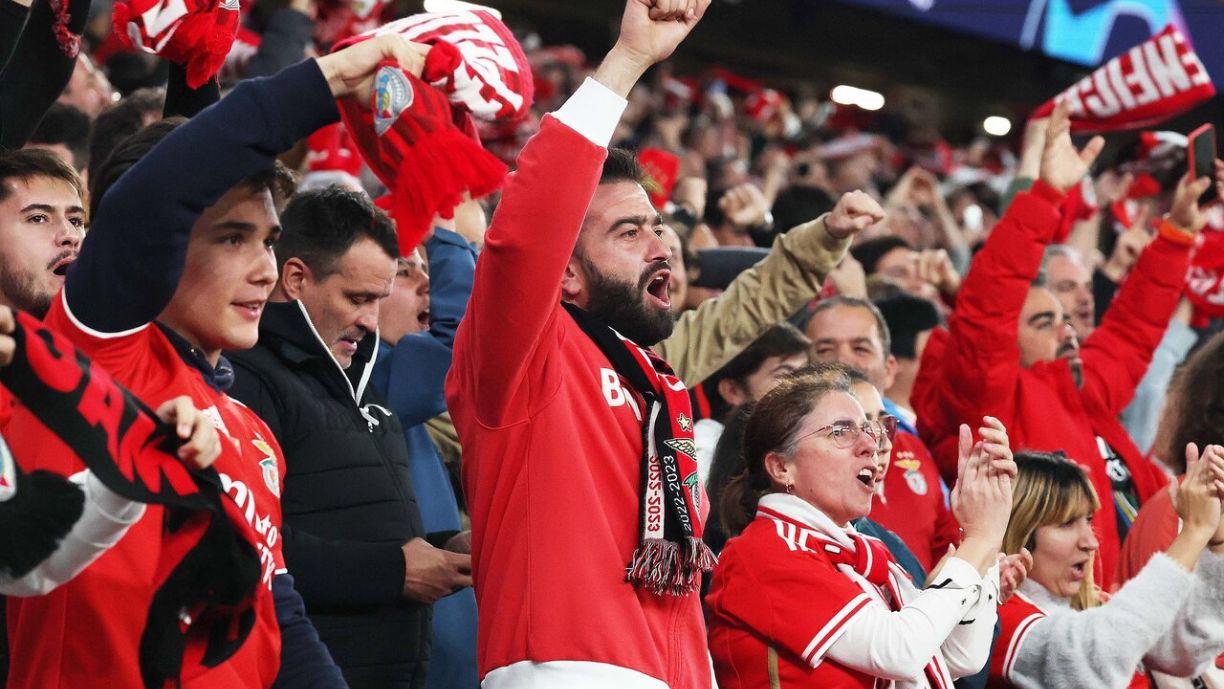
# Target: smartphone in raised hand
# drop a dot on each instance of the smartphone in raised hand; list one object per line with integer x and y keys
{"x": 1201, "y": 155}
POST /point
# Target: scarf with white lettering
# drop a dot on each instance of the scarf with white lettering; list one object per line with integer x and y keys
{"x": 670, "y": 555}
{"x": 208, "y": 568}
{"x": 1150, "y": 83}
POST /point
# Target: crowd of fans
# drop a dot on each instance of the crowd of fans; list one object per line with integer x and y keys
{"x": 720, "y": 386}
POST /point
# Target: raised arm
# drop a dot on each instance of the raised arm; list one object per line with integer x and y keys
{"x": 1117, "y": 354}
{"x": 38, "y": 71}
{"x": 982, "y": 362}
{"x": 792, "y": 274}
{"x": 137, "y": 244}
{"x": 536, "y": 226}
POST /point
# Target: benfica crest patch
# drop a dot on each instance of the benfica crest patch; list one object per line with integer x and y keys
{"x": 392, "y": 96}
{"x": 271, "y": 473}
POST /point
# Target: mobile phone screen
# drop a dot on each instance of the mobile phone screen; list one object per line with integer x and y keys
{"x": 1204, "y": 155}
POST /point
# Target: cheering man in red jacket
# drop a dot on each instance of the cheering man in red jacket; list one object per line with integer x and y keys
{"x": 580, "y": 460}
{"x": 1010, "y": 351}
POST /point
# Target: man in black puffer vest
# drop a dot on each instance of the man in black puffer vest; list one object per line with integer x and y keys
{"x": 353, "y": 535}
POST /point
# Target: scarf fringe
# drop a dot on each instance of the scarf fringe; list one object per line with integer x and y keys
{"x": 667, "y": 568}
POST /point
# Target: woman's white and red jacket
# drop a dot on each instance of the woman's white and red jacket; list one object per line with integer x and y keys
{"x": 782, "y": 611}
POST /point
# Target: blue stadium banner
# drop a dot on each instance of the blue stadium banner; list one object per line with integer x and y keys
{"x": 1085, "y": 32}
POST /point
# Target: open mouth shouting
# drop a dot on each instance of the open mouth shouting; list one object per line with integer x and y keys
{"x": 869, "y": 476}
{"x": 658, "y": 289}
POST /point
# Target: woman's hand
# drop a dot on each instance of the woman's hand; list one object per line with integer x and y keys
{"x": 981, "y": 498}
{"x": 1197, "y": 501}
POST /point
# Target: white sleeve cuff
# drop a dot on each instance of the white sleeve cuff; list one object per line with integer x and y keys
{"x": 593, "y": 111}
{"x": 110, "y": 505}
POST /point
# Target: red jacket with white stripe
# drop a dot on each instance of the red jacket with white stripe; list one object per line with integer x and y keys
{"x": 552, "y": 444}
{"x": 978, "y": 370}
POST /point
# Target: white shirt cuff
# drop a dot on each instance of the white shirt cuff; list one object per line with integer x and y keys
{"x": 593, "y": 111}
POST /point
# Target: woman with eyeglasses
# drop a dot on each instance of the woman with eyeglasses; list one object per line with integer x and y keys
{"x": 801, "y": 599}
{"x": 1060, "y": 631}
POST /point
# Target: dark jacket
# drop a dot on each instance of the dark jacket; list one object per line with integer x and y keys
{"x": 348, "y": 501}
{"x": 412, "y": 377}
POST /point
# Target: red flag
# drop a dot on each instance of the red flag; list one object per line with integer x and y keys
{"x": 663, "y": 169}
{"x": 1205, "y": 281}
{"x": 1157, "y": 79}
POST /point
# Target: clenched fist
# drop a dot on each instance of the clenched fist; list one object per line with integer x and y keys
{"x": 855, "y": 211}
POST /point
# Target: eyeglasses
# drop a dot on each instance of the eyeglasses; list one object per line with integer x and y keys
{"x": 888, "y": 426}
{"x": 845, "y": 434}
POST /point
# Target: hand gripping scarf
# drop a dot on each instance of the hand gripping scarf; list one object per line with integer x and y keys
{"x": 209, "y": 568}
{"x": 670, "y": 556}
{"x": 1150, "y": 83}
{"x": 417, "y": 135}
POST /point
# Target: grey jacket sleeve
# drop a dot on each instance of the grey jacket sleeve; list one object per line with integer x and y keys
{"x": 1197, "y": 636}
{"x": 1102, "y": 647}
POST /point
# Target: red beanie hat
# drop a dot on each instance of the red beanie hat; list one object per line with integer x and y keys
{"x": 195, "y": 33}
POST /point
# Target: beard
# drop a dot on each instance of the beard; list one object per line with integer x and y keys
{"x": 21, "y": 290}
{"x": 622, "y": 306}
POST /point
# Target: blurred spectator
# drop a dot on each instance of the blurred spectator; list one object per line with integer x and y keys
{"x": 64, "y": 131}
{"x": 121, "y": 120}
{"x": 777, "y": 353}
{"x": 910, "y": 321}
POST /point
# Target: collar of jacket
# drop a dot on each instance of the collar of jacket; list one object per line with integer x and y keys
{"x": 287, "y": 330}
{"x": 218, "y": 377}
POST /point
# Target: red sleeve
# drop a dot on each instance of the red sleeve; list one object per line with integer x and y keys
{"x": 794, "y": 599}
{"x": 982, "y": 363}
{"x": 518, "y": 277}
{"x": 1016, "y": 618}
{"x": 1152, "y": 532}
{"x": 1117, "y": 354}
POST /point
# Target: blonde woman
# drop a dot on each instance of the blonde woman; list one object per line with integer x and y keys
{"x": 1059, "y": 631}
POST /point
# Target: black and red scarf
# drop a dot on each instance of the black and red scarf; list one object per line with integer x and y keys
{"x": 208, "y": 569}
{"x": 670, "y": 556}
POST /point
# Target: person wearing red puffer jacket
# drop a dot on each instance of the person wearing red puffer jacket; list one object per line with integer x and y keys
{"x": 1010, "y": 351}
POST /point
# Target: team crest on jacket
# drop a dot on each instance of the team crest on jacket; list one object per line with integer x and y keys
{"x": 916, "y": 481}
{"x": 271, "y": 473}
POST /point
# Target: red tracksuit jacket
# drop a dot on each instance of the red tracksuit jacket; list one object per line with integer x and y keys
{"x": 552, "y": 444}
{"x": 976, "y": 370}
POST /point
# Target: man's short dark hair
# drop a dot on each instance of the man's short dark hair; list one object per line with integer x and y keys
{"x": 622, "y": 165}
{"x": 798, "y": 204}
{"x": 320, "y": 226}
{"x": 870, "y": 252}
{"x": 278, "y": 180}
{"x": 63, "y": 124}
{"x": 856, "y": 303}
{"x": 33, "y": 162}
{"x": 122, "y": 120}
{"x": 782, "y": 340}
{"x": 907, "y": 316}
